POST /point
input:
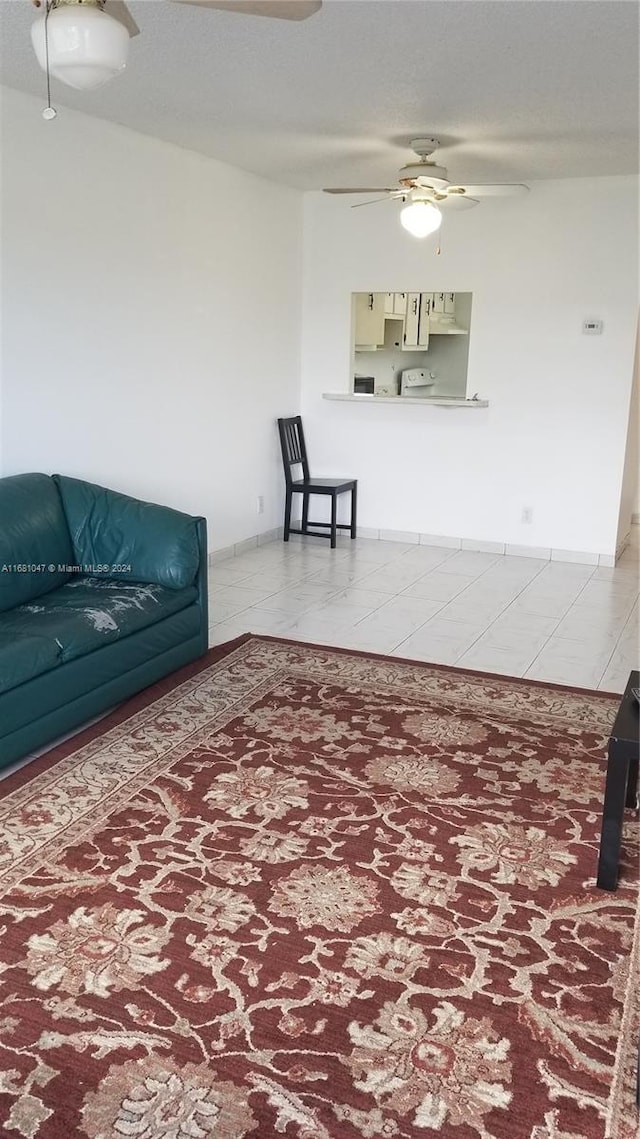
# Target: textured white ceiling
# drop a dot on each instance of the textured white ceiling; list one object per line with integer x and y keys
{"x": 516, "y": 90}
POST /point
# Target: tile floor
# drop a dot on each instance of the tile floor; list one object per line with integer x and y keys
{"x": 557, "y": 621}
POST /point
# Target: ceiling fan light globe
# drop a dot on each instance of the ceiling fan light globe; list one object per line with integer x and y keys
{"x": 86, "y": 46}
{"x": 420, "y": 218}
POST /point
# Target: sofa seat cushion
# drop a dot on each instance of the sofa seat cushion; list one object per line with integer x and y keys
{"x": 85, "y": 614}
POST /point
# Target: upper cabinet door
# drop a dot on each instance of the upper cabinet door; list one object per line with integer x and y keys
{"x": 395, "y": 304}
{"x": 369, "y": 318}
{"x": 412, "y": 321}
{"x": 426, "y": 301}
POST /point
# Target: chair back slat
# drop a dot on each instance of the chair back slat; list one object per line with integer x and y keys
{"x": 294, "y": 452}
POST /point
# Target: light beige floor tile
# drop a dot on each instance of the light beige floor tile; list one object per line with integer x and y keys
{"x": 220, "y": 611}
{"x": 529, "y": 642}
{"x": 427, "y": 557}
{"x": 469, "y": 562}
{"x": 228, "y": 573}
{"x": 583, "y": 623}
{"x": 367, "y": 599}
{"x": 288, "y": 603}
{"x": 518, "y": 567}
{"x": 437, "y": 586}
{"x": 616, "y": 675}
{"x": 398, "y": 624}
{"x": 380, "y": 642}
{"x": 246, "y": 595}
{"x": 575, "y": 673}
{"x": 460, "y": 631}
{"x": 459, "y": 637}
{"x": 393, "y": 578}
{"x": 616, "y": 590}
{"x": 434, "y": 651}
{"x": 418, "y": 608}
{"x": 339, "y": 576}
{"x": 478, "y": 612}
{"x": 509, "y": 661}
{"x": 519, "y": 621}
{"x": 327, "y": 620}
{"x": 541, "y": 605}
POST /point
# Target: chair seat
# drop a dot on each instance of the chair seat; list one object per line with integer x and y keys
{"x": 322, "y": 486}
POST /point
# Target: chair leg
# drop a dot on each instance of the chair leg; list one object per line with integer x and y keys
{"x": 305, "y": 511}
{"x": 287, "y": 514}
{"x": 334, "y": 520}
{"x": 354, "y": 507}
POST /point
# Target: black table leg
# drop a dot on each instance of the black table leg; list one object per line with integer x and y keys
{"x": 632, "y": 784}
{"x": 612, "y": 815}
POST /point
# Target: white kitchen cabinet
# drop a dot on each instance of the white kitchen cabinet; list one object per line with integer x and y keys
{"x": 395, "y": 305}
{"x": 444, "y": 304}
{"x": 412, "y": 322}
{"x": 426, "y": 302}
{"x": 416, "y": 326}
{"x": 369, "y": 319}
{"x": 399, "y": 304}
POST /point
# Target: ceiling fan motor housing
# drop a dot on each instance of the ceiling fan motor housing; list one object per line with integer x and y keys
{"x": 424, "y": 174}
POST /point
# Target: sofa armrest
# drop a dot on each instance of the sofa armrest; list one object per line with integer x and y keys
{"x": 202, "y": 580}
{"x": 122, "y": 537}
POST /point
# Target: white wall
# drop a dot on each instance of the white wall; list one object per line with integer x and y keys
{"x": 553, "y": 437}
{"x": 151, "y": 317}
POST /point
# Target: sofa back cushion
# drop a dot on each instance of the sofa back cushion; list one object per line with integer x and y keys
{"x": 116, "y": 536}
{"x": 35, "y": 544}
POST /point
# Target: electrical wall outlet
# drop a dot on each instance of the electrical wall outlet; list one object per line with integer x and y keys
{"x": 260, "y": 504}
{"x": 527, "y": 514}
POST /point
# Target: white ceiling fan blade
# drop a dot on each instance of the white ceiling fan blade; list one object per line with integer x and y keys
{"x": 454, "y": 203}
{"x": 118, "y": 9}
{"x": 499, "y": 190}
{"x": 371, "y": 202}
{"x": 278, "y": 9}
{"x": 359, "y": 190}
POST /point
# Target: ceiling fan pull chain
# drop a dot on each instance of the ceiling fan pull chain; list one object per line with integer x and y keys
{"x": 49, "y": 111}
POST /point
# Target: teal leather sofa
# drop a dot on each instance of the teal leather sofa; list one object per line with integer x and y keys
{"x": 100, "y": 595}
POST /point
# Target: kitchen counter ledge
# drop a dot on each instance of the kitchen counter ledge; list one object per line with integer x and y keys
{"x": 438, "y": 401}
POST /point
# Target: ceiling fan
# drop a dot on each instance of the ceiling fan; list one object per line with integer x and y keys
{"x": 84, "y": 43}
{"x": 427, "y": 189}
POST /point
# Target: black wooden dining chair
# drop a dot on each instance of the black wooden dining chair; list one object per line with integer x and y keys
{"x": 294, "y": 454}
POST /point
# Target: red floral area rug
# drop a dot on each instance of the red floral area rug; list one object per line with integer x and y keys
{"x": 308, "y": 893}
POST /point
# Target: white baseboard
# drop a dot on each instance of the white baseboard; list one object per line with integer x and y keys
{"x": 622, "y": 544}
{"x": 544, "y": 553}
{"x": 226, "y": 552}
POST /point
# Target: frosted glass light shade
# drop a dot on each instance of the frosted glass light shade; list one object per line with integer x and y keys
{"x": 420, "y": 218}
{"x": 86, "y": 47}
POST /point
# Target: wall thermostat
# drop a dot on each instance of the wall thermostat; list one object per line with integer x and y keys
{"x": 592, "y": 327}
